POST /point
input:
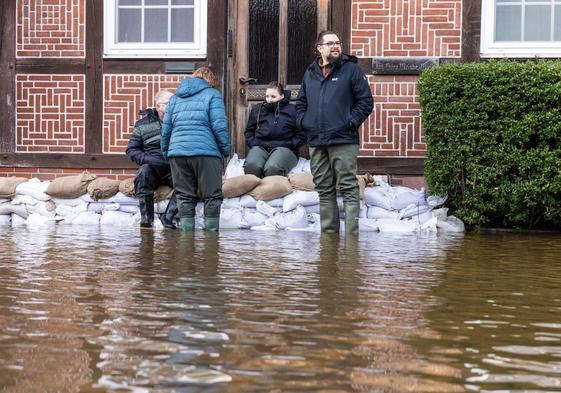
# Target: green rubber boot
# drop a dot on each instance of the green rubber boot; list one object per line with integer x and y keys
{"x": 187, "y": 224}
{"x": 329, "y": 215}
{"x": 352, "y": 211}
{"x": 212, "y": 224}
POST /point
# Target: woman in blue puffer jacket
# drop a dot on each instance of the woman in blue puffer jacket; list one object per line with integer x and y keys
{"x": 195, "y": 138}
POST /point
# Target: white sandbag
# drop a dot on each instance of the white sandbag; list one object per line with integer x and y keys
{"x": 440, "y": 214}
{"x": 390, "y": 225}
{"x": 363, "y": 212}
{"x": 302, "y": 198}
{"x": 376, "y": 212}
{"x": 157, "y": 224}
{"x": 17, "y": 220}
{"x": 117, "y": 219}
{"x": 2, "y": 200}
{"x": 376, "y": 196}
{"x": 234, "y": 167}
{"x": 34, "y": 188}
{"x": 266, "y": 209}
{"x": 452, "y": 224}
{"x": 413, "y": 210}
{"x": 111, "y": 207}
{"x": 231, "y": 203}
{"x": 252, "y": 218}
{"x": 314, "y": 209}
{"x": 69, "y": 202}
{"x": 404, "y": 197}
{"x": 36, "y": 220}
{"x": 435, "y": 200}
{"x": 302, "y": 165}
{"x": 248, "y": 201}
{"x": 429, "y": 225}
{"x": 70, "y": 211}
{"x": 314, "y": 224}
{"x": 96, "y": 207}
{"x": 159, "y": 207}
{"x": 43, "y": 208}
{"x": 422, "y": 218}
{"x": 24, "y": 199}
{"x": 368, "y": 225}
{"x": 10, "y": 208}
{"x": 231, "y": 218}
{"x": 87, "y": 218}
{"x": 121, "y": 199}
{"x": 296, "y": 218}
{"x": 264, "y": 228}
{"x": 132, "y": 209}
{"x": 277, "y": 202}
{"x": 5, "y": 219}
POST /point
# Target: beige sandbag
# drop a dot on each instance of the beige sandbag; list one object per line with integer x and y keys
{"x": 127, "y": 187}
{"x": 302, "y": 181}
{"x": 102, "y": 188}
{"x": 162, "y": 193}
{"x": 363, "y": 182}
{"x": 239, "y": 185}
{"x": 70, "y": 186}
{"x": 271, "y": 187}
{"x": 8, "y": 186}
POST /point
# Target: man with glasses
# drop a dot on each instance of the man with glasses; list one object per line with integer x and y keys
{"x": 334, "y": 100}
{"x": 144, "y": 149}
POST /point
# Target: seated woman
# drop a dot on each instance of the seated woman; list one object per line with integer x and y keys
{"x": 272, "y": 136}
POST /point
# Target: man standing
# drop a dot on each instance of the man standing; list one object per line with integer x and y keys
{"x": 144, "y": 149}
{"x": 334, "y": 100}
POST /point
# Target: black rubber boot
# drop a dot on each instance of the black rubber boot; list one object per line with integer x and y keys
{"x": 169, "y": 214}
{"x": 146, "y": 205}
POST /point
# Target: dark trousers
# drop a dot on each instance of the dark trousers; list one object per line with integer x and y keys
{"x": 278, "y": 162}
{"x": 197, "y": 176}
{"x": 150, "y": 177}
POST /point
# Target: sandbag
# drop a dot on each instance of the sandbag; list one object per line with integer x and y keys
{"x": 121, "y": 199}
{"x": 413, "y": 210}
{"x": 70, "y": 186}
{"x": 102, "y": 187}
{"x": 117, "y": 219}
{"x": 313, "y": 209}
{"x": 422, "y": 218}
{"x": 271, "y": 187}
{"x": 45, "y": 209}
{"x": 162, "y": 193}
{"x": 34, "y": 188}
{"x": 10, "y": 208}
{"x": 239, "y": 185}
{"x": 302, "y": 198}
{"x": 133, "y": 209}
{"x": 390, "y": 225}
{"x": 87, "y": 218}
{"x": 296, "y": 218}
{"x": 69, "y": 201}
{"x": 17, "y": 220}
{"x": 24, "y": 200}
{"x": 252, "y": 218}
{"x": 406, "y": 197}
{"x": 230, "y": 218}
{"x": 376, "y": 196}
{"x": 277, "y": 202}
{"x": 451, "y": 224}
{"x": 8, "y": 186}
{"x": 376, "y": 212}
{"x": 265, "y": 209}
{"x": 96, "y": 207}
{"x": 302, "y": 181}
{"x": 5, "y": 220}
{"x": 37, "y": 220}
{"x": 126, "y": 187}
{"x": 231, "y": 203}
{"x": 234, "y": 167}
{"x": 368, "y": 225}
{"x": 247, "y": 201}
{"x": 159, "y": 207}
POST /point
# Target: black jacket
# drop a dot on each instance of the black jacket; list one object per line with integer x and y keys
{"x": 144, "y": 145}
{"x": 331, "y": 109}
{"x": 274, "y": 125}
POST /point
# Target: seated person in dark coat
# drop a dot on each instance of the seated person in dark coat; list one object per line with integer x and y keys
{"x": 272, "y": 136}
{"x": 144, "y": 149}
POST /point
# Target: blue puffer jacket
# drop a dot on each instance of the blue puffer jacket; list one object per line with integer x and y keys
{"x": 195, "y": 122}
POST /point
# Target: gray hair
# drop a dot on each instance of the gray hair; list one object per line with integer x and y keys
{"x": 161, "y": 94}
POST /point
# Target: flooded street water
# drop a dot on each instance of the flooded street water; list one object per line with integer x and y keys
{"x": 123, "y": 310}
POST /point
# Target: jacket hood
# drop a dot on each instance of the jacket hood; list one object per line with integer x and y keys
{"x": 191, "y": 86}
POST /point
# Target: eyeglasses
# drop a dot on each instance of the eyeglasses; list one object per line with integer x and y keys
{"x": 332, "y": 44}
{"x": 161, "y": 104}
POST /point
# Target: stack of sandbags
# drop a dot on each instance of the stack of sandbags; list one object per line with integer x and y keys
{"x": 28, "y": 198}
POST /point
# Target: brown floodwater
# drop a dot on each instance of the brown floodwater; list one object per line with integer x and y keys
{"x": 124, "y": 310}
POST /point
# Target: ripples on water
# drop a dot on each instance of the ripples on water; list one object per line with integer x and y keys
{"x": 101, "y": 309}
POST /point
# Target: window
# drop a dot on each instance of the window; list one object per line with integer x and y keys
{"x": 155, "y": 28}
{"x": 521, "y": 28}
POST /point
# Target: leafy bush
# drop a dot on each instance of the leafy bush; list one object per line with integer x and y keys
{"x": 493, "y": 133}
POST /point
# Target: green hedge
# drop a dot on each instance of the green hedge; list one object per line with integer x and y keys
{"x": 493, "y": 135}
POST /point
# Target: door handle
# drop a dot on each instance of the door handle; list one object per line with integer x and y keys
{"x": 246, "y": 80}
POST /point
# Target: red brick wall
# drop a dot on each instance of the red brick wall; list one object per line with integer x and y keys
{"x": 52, "y": 173}
{"x": 401, "y": 28}
{"x": 50, "y": 28}
{"x": 124, "y": 96}
{"x": 50, "y": 113}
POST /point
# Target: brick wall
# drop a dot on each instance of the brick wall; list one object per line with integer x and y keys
{"x": 50, "y": 28}
{"x": 50, "y": 113}
{"x": 124, "y": 96}
{"x": 401, "y": 28}
{"x": 53, "y": 173}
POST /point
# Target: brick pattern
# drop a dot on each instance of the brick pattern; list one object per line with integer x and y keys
{"x": 50, "y": 113}
{"x": 394, "y": 129}
{"x": 124, "y": 97}
{"x": 424, "y": 28}
{"x": 50, "y": 28}
{"x": 53, "y": 173}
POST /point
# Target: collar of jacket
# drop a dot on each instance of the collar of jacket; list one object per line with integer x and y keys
{"x": 148, "y": 112}
{"x": 338, "y": 63}
{"x": 270, "y": 107}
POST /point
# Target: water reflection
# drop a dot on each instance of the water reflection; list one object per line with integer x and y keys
{"x": 126, "y": 310}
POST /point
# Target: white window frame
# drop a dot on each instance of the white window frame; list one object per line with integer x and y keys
{"x": 523, "y": 49}
{"x": 113, "y": 49}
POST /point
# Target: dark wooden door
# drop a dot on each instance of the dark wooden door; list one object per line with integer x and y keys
{"x": 271, "y": 40}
